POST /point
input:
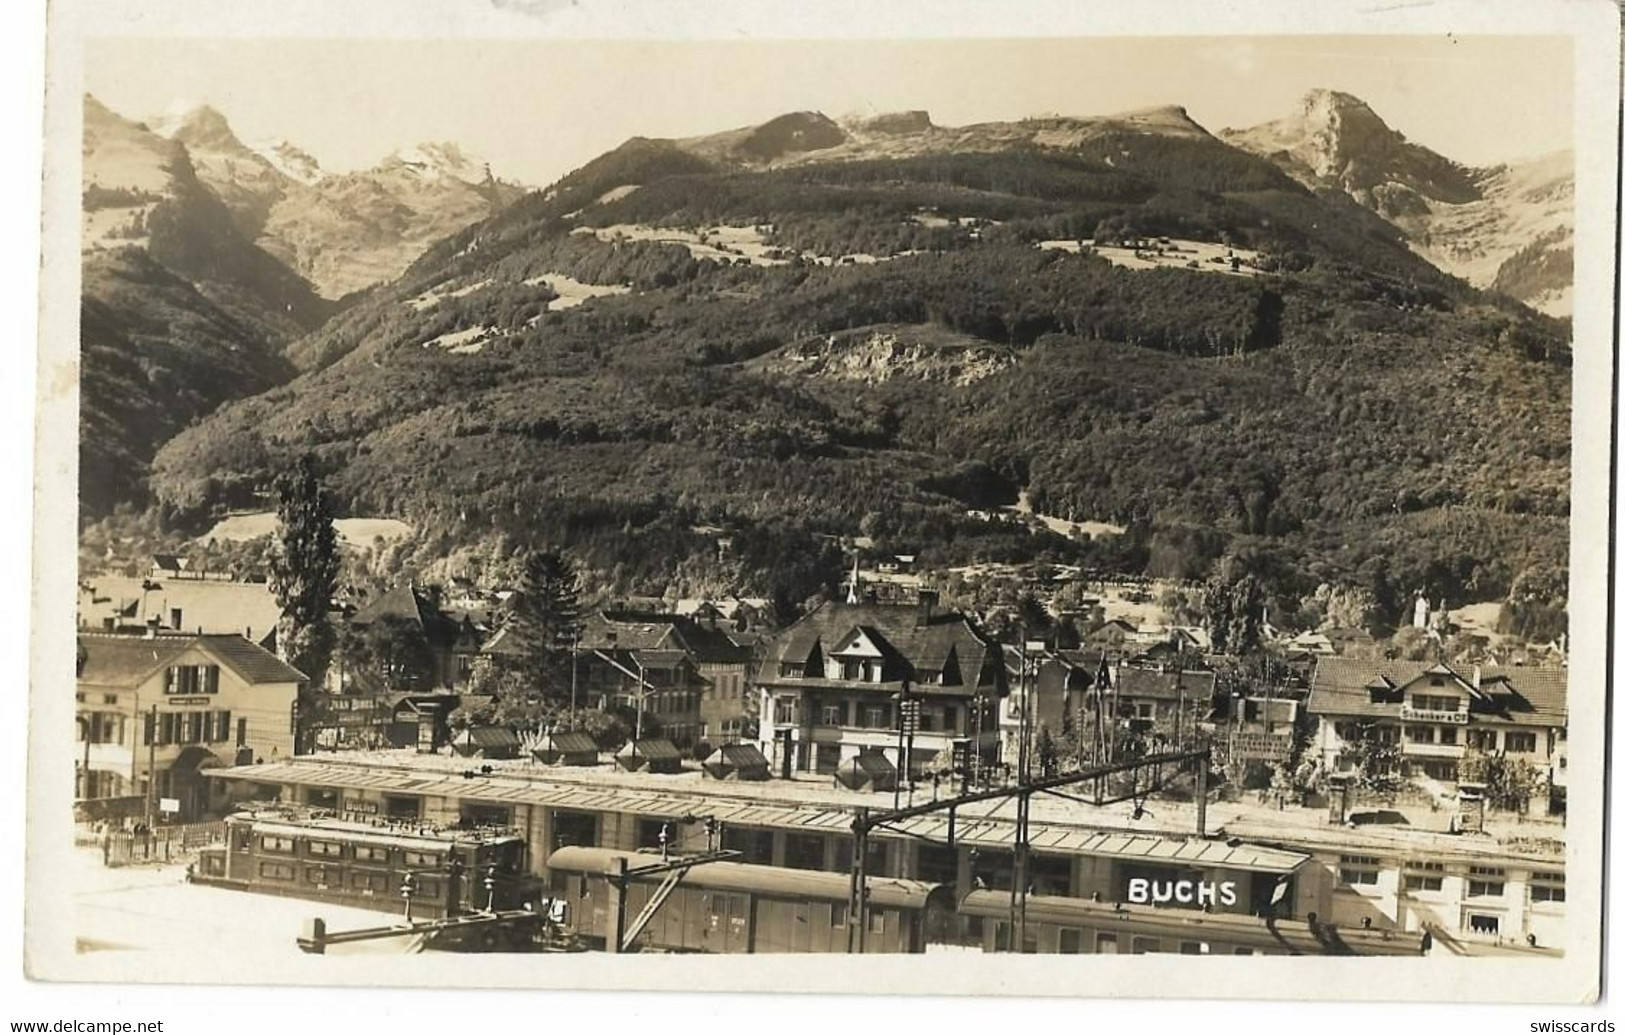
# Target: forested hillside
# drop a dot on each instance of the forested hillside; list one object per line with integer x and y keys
{"x": 1144, "y": 325}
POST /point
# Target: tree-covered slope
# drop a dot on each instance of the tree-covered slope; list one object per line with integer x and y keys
{"x": 1128, "y": 318}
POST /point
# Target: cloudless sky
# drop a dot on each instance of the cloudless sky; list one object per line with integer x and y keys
{"x": 537, "y": 109}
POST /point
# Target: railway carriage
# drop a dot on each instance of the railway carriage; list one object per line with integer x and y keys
{"x": 308, "y": 854}
{"x": 1062, "y": 925}
{"x": 741, "y": 907}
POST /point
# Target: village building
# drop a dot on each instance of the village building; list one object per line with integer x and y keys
{"x": 155, "y": 710}
{"x": 455, "y": 638}
{"x": 832, "y": 686}
{"x": 1158, "y": 694}
{"x": 1435, "y": 714}
{"x": 179, "y": 603}
{"x": 1055, "y": 691}
{"x": 737, "y": 614}
{"x": 648, "y": 666}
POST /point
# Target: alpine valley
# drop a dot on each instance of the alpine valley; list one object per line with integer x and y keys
{"x": 204, "y": 258}
{"x": 1245, "y": 349}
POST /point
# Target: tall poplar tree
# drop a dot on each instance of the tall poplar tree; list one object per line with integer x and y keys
{"x": 304, "y": 576}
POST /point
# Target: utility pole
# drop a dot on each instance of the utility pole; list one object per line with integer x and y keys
{"x": 575, "y": 650}
{"x": 152, "y": 764}
{"x": 637, "y": 733}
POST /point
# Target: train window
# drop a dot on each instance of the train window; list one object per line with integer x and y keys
{"x": 1105, "y": 941}
{"x": 321, "y": 876}
{"x": 371, "y": 853}
{"x": 403, "y": 806}
{"x": 1071, "y": 941}
{"x": 1193, "y": 948}
{"x": 837, "y": 914}
{"x": 269, "y": 843}
{"x": 276, "y": 871}
{"x": 369, "y": 883}
{"x": 424, "y": 859}
{"x": 242, "y": 838}
{"x": 333, "y": 848}
{"x": 1143, "y": 946}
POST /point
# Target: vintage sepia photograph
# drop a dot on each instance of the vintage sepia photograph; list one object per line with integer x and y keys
{"x": 964, "y": 496}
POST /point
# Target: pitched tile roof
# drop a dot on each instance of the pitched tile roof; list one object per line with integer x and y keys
{"x": 406, "y": 601}
{"x": 916, "y": 646}
{"x": 1160, "y": 685}
{"x": 111, "y": 660}
{"x": 114, "y": 660}
{"x": 252, "y": 662}
{"x": 1341, "y": 686}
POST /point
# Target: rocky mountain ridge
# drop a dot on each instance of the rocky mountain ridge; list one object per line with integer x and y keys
{"x": 1470, "y": 222}
{"x": 344, "y": 232}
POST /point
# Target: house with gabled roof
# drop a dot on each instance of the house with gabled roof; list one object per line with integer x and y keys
{"x": 1435, "y": 713}
{"x": 832, "y": 685}
{"x": 154, "y": 710}
{"x": 455, "y": 638}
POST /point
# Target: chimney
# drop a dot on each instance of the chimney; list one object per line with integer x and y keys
{"x": 927, "y": 607}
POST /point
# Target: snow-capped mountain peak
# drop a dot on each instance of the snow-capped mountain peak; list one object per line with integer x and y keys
{"x": 200, "y": 128}
{"x": 435, "y": 161}
{"x": 289, "y": 160}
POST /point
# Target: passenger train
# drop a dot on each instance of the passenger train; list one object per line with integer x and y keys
{"x": 726, "y": 906}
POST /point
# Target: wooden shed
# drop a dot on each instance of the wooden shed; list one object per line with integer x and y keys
{"x": 486, "y": 742}
{"x": 651, "y": 755}
{"x": 574, "y": 748}
{"x": 737, "y": 762}
{"x": 867, "y": 771}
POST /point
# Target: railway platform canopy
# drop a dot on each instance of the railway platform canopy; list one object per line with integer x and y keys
{"x": 1273, "y": 843}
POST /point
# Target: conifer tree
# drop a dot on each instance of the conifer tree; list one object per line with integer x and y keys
{"x": 547, "y": 622}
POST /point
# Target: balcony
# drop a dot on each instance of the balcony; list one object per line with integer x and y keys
{"x": 1411, "y": 749}
{"x": 1409, "y": 714}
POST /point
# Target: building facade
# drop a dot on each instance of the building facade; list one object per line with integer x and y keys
{"x": 154, "y": 711}
{"x": 1434, "y": 714}
{"x": 832, "y": 686}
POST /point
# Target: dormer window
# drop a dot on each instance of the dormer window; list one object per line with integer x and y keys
{"x": 790, "y": 670}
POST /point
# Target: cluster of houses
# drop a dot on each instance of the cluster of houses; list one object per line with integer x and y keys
{"x": 177, "y": 671}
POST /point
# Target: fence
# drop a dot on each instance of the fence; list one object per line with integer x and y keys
{"x": 159, "y": 845}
